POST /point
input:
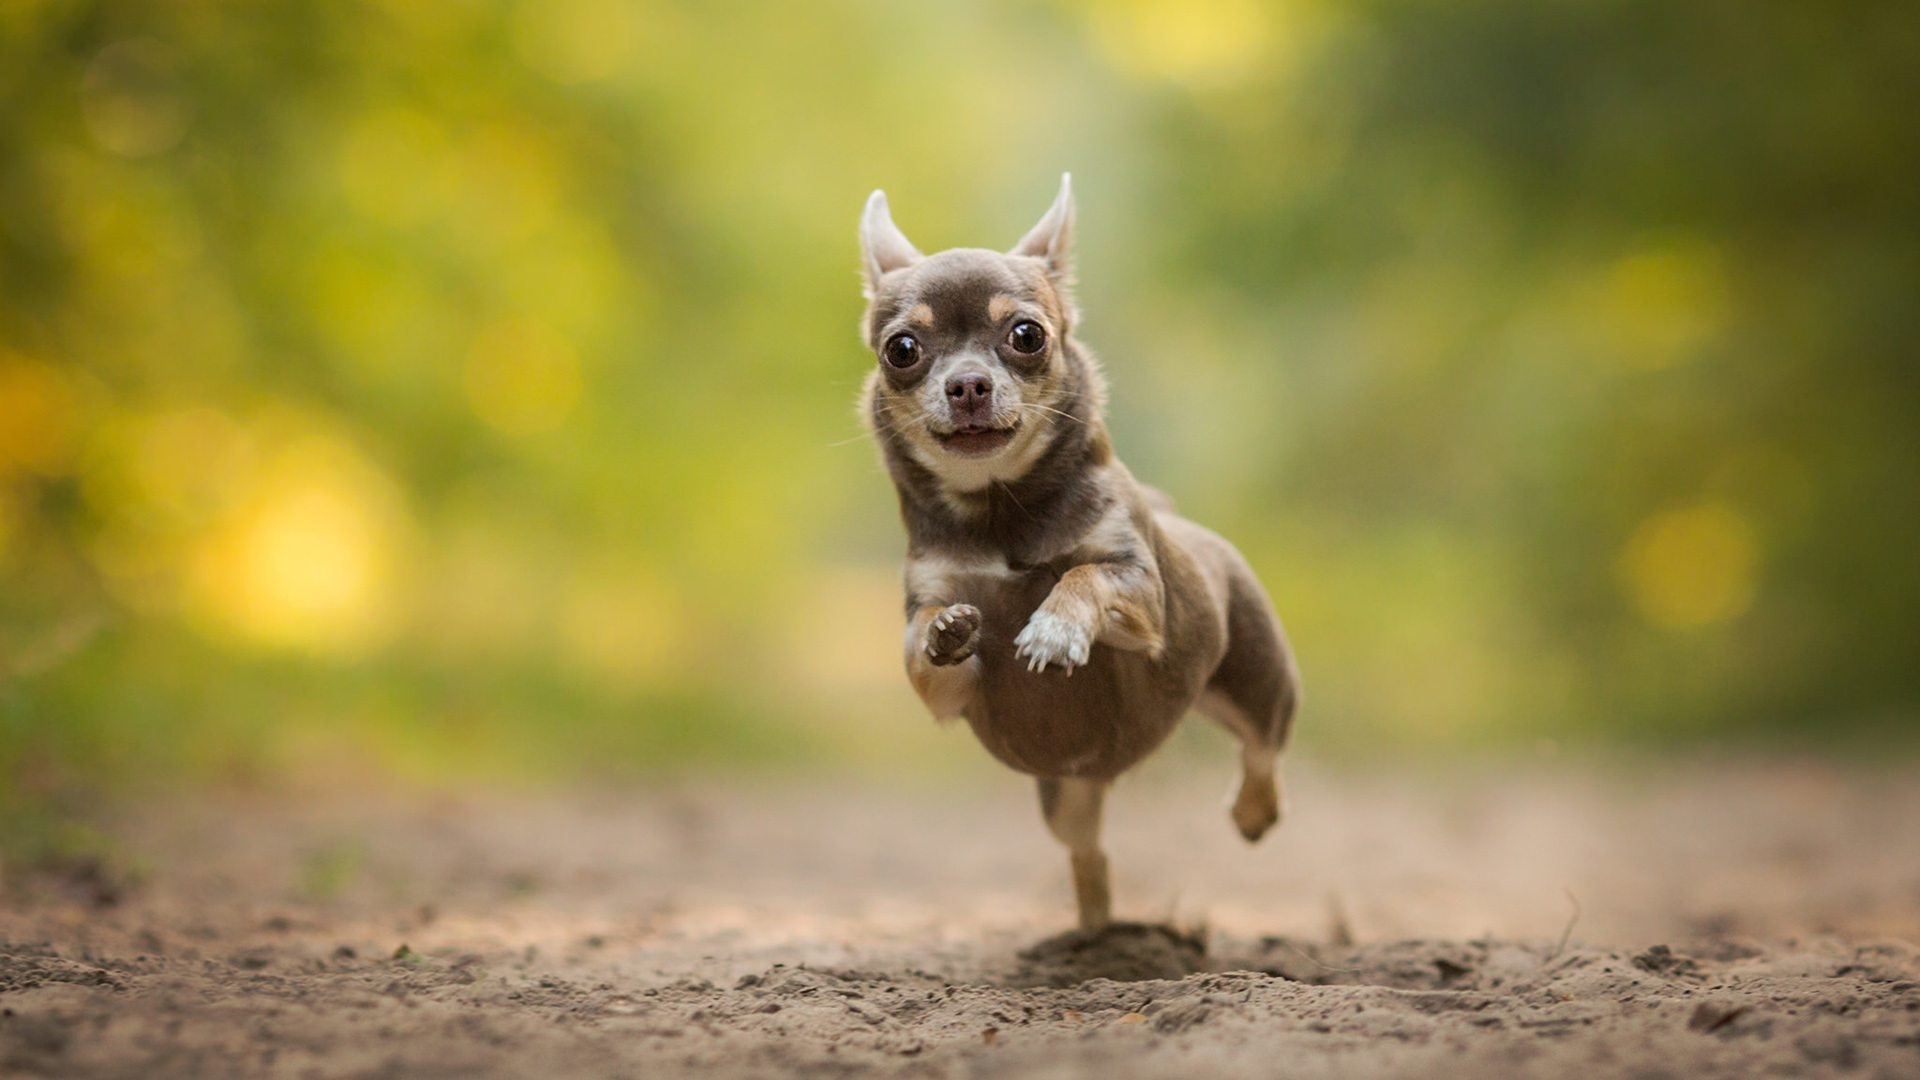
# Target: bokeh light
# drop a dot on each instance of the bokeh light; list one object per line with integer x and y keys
{"x": 307, "y": 560}
{"x": 1688, "y": 568}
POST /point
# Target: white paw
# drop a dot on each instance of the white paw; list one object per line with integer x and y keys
{"x": 1048, "y": 639}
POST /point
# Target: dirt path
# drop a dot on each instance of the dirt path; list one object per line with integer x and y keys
{"x": 1732, "y": 921}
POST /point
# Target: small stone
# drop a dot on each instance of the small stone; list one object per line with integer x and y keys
{"x": 1711, "y": 1016}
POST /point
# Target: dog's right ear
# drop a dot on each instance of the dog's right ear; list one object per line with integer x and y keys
{"x": 883, "y": 246}
{"x": 1052, "y": 238}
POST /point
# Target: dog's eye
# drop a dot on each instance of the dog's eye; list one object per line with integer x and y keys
{"x": 902, "y": 351}
{"x": 1027, "y": 337}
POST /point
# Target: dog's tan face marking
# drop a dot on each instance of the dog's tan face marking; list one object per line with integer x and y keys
{"x": 921, "y": 316}
{"x": 1000, "y": 307}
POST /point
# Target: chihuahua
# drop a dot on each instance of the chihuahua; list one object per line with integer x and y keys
{"x": 1054, "y": 602}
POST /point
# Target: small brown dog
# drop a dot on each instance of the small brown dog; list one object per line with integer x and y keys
{"x": 1033, "y": 555}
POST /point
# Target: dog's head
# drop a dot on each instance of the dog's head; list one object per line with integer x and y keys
{"x": 975, "y": 359}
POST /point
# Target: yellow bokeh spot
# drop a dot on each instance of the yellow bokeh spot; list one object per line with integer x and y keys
{"x": 36, "y": 417}
{"x": 522, "y": 377}
{"x": 310, "y": 562}
{"x": 1183, "y": 40}
{"x": 1691, "y": 567}
{"x": 1660, "y": 306}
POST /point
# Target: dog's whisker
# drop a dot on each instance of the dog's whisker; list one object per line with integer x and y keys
{"x": 1051, "y": 409}
{"x": 1007, "y": 490}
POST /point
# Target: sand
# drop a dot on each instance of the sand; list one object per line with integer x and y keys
{"x": 1676, "y": 921}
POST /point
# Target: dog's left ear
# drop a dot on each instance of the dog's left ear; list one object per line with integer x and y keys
{"x": 1052, "y": 239}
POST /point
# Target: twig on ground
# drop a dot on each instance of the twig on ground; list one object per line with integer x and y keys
{"x": 1568, "y": 932}
{"x": 1339, "y": 930}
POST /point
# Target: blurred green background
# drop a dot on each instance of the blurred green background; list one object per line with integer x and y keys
{"x": 462, "y": 390}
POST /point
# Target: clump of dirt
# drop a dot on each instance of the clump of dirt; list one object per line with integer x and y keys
{"x": 1122, "y": 951}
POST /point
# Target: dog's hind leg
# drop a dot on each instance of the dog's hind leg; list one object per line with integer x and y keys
{"x": 1258, "y": 804}
{"x": 1253, "y": 694}
{"x": 1072, "y": 807}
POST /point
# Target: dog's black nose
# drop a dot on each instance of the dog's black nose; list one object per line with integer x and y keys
{"x": 972, "y": 391}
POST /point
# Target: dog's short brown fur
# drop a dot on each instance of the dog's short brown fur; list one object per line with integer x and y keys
{"x": 1058, "y": 605}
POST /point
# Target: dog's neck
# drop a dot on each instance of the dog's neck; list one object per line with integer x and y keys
{"x": 1027, "y": 520}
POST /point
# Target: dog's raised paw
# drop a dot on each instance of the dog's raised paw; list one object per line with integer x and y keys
{"x": 1049, "y": 640}
{"x": 953, "y": 635}
{"x": 1257, "y": 808}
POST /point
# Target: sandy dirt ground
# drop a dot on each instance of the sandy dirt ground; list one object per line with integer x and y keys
{"x": 1726, "y": 920}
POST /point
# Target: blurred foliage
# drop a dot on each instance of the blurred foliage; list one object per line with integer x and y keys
{"x": 463, "y": 388}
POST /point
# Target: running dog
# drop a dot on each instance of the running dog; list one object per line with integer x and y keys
{"x": 1058, "y": 605}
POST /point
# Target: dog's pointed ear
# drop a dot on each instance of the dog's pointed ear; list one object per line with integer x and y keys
{"x": 883, "y": 246}
{"x": 1052, "y": 239}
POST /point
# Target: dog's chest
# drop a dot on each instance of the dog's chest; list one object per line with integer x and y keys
{"x": 1099, "y": 721}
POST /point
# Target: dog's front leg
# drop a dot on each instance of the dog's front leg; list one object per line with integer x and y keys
{"x": 1118, "y": 603}
{"x": 941, "y": 642}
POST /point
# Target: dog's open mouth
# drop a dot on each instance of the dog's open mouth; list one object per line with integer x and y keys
{"x": 976, "y": 441}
